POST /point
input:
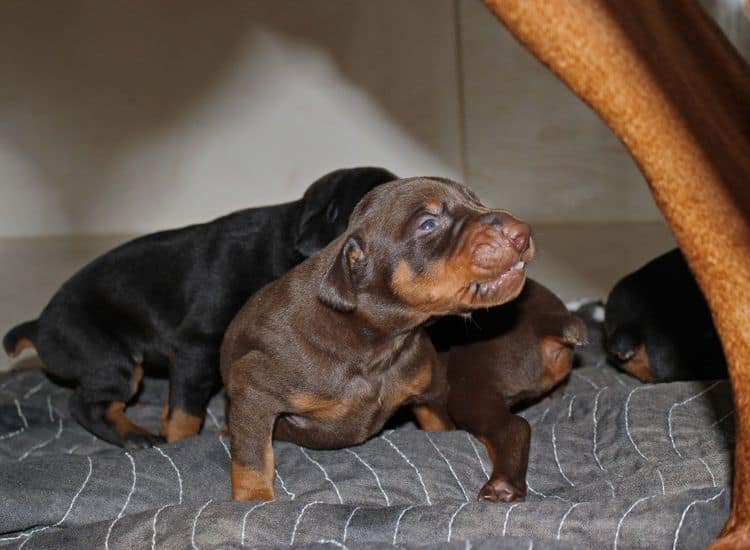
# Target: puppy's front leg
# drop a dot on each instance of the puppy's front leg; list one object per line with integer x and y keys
{"x": 431, "y": 408}
{"x": 251, "y": 418}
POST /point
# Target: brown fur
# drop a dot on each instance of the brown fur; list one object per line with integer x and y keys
{"x": 683, "y": 114}
{"x": 327, "y": 353}
{"x": 249, "y": 484}
{"x": 446, "y": 286}
{"x": 22, "y": 344}
{"x": 507, "y": 354}
{"x": 322, "y": 408}
{"x": 180, "y": 425}
{"x": 119, "y": 422}
{"x": 430, "y": 420}
{"x": 557, "y": 361}
{"x": 638, "y": 365}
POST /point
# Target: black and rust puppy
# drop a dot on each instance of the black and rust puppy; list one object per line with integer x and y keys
{"x": 165, "y": 300}
{"x": 658, "y": 326}
{"x": 327, "y": 353}
{"x": 500, "y": 357}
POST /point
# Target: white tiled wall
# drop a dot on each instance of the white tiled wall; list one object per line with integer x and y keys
{"x": 130, "y": 117}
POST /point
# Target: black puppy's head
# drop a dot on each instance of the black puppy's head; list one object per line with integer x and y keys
{"x": 328, "y": 203}
{"x": 430, "y": 247}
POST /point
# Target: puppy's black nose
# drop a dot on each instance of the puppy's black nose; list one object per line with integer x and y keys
{"x": 516, "y": 231}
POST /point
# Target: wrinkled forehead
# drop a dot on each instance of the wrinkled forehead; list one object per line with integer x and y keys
{"x": 399, "y": 199}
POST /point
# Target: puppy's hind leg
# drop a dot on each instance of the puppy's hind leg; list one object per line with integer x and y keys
{"x": 99, "y": 403}
{"x": 193, "y": 378}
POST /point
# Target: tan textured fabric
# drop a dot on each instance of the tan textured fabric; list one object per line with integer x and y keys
{"x": 672, "y": 88}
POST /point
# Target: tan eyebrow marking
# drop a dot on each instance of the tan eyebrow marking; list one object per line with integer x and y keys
{"x": 434, "y": 206}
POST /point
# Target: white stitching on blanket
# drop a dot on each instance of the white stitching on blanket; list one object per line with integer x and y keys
{"x": 618, "y": 380}
{"x": 627, "y": 425}
{"x": 20, "y": 413}
{"x": 35, "y": 389}
{"x": 11, "y": 434}
{"x": 398, "y": 522}
{"x": 722, "y": 419}
{"x": 507, "y": 515}
{"x": 244, "y": 519}
{"x": 685, "y": 511}
{"x": 213, "y": 418}
{"x": 686, "y": 401}
{"x": 570, "y": 406}
{"x": 409, "y": 462}
{"x": 195, "y": 522}
{"x": 283, "y": 485}
{"x": 530, "y": 488}
{"x": 453, "y": 517}
{"x": 713, "y": 479}
{"x": 174, "y": 466}
{"x": 578, "y": 374}
{"x": 565, "y": 516}
{"x": 476, "y": 452}
{"x": 38, "y": 446}
{"x": 661, "y": 478}
{"x": 450, "y": 467}
{"x": 49, "y": 408}
{"x": 334, "y": 542}
{"x": 67, "y": 512}
{"x": 153, "y": 524}
{"x": 372, "y": 470}
{"x": 619, "y": 523}
{"x": 74, "y": 447}
{"x": 23, "y": 419}
{"x": 557, "y": 459}
{"x": 542, "y": 417}
{"x": 124, "y": 506}
{"x": 226, "y": 448}
{"x": 341, "y": 501}
{"x": 299, "y": 518}
{"x": 596, "y": 424}
{"x": 348, "y": 521}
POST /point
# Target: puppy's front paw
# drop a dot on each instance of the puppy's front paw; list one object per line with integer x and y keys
{"x": 501, "y": 490}
{"x": 141, "y": 440}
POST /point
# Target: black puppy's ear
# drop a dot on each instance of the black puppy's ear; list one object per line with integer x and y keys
{"x": 314, "y": 230}
{"x": 338, "y": 289}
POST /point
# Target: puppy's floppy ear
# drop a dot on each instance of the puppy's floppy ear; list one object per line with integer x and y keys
{"x": 338, "y": 289}
{"x": 315, "y": 227}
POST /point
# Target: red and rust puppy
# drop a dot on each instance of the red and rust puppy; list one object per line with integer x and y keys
{"x": 327, "y": 353}
{"x": 503, "y": 356}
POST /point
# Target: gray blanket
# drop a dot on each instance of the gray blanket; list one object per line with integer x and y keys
{"x": 613, "y": 464}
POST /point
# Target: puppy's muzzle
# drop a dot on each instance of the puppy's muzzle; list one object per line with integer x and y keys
{"x": 502, "y": 237}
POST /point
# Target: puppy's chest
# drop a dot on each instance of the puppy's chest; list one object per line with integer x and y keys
{"x": 368, "y": 395}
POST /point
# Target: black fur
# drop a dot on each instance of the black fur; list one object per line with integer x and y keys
{"x": 661, "y": 307}
{"x": 165, "y": 299}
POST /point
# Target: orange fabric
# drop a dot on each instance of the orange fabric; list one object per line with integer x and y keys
{"x": 672, "y": 88}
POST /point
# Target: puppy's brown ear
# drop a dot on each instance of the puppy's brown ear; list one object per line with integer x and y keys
{"x": 338, "y": 289}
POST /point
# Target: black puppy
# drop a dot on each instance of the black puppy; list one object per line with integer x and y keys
{"x": 658, "y": 326}
{"x": 164, "y": 301}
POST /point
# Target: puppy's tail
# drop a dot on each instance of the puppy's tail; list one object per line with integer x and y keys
{"x": 20, "y": 337}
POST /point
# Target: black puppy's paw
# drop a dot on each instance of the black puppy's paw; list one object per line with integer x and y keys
{"x": 142, "y": 440}
{"x": 501, "y": 490}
